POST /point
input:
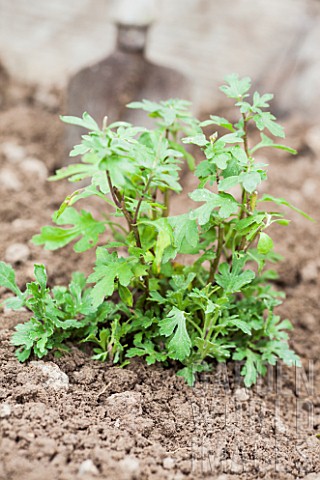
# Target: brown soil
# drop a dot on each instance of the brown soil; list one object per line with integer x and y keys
{"x": 144, "y": 422}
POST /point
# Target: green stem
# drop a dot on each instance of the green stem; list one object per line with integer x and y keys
{"x": 117, "y": 225}
{"x": 215, "y": 263}
{"x": 120, "y": 203}
{"x": 195, "y": 326}
{"x": 212, "y": 324}
{"x": 245, "y": 198}
{"x": 245, "y": 135}
{"x": 243, "y": 204}
{"x": 146, "y": 188}
{"x": 246, "y": 248}
{"x": 166, "y": 203}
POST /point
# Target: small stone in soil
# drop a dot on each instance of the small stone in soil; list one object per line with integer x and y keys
{"x": 5, "y": 410}
{"x": 185, "y": 466}
{"x": 241, "y": 395}
{"x": 9, "y": 180}
{"x": 88, "y": 467}
{"x": 130, "y": 464}
{"x": 34, "y": 166}
{"x": 17, "y": 253}
{"x": 313, "y": 139}
{"x": 13, "y": 152}
{"x": 46, "y": 98}
{"x": 56, "y": 379}
{"x": 168, "y": 463}
{"x": 280, "y": 426}
{"x": 309, "y": 272}
{"x": 310, "y": 188}
{"x": 125, "y": 403}
{"x": 23, "y": 224}
{"x": 47, "y": 446}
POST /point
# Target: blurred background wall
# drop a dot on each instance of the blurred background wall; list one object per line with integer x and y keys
{"x": 276, "y": 42}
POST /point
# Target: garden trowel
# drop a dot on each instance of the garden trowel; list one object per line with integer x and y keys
{"x": 104, "y": 89}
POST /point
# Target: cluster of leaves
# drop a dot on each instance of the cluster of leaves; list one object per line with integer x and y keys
{"x": 140, "y": 300}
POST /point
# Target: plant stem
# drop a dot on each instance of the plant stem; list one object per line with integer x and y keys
{"x": 166, "y": 203}
{"x": 246, "y": 248}
{"x": 120, "y": 203}
{"x": 215, "y": 263}
{"x": 245, "y": 135}
{"x": 243, "y": 204}
{"x": 195, "y": 325}
{"x": 146, "y": 188}
{"x": 209, "y": 326}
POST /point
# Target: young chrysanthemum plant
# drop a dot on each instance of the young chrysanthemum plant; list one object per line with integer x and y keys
{"x": 141, "y": 300}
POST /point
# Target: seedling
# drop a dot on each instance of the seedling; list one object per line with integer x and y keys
{"x": 141, "y": 300}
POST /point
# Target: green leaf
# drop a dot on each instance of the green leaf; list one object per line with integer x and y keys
{"x": 109, "y": 267}
{"x": 243, "y": 326}
{"x": 231, "y": 138}
{"x": 261, "y": 101}
{"x": 232, "y": 279}
{"x": 23, "y": 354}
{"x": 188, "y": 157}
{"x": 27, "y": 334}
{"x": 86, "y": 121}
{"x": 65, "y": 204}
{"x": 282, "y": 201}
{"x": 145, "y": 105}
{"x": 250, "y": 181}
{"x": 229, "y": 182}
{"x": 226, "y": 204}
{"x": 174, "y": 114}
{"x": 145, "y": 348}
{"x": 220, "y": 121}
{"x": 220, "y": 160}
{"x": 76, "y": 172}
{"x": 8, "y": 278}
{"x": 268, "y": 142}
{"x": 125, "y": 295}
{"x": 79, "y": 150}
{"x": 212, "y": 349}
{"x": 283, "y": 351}
{"x": 251, "y": 366}
{"x": 239, "y": 154}
{"x": 199, "y": 140}
{"x": 246, "y": 224}
{"x": 237, "y": 87}
{"x": 84, "y": 225}
{"x": 179, "y": 346}
{"x": 267, "y": 120}
{"x": 205, "y": 169}
{"x": 14, "y": 303}
{"x": 185, "y": 231}
{"x": 41, "y": 276}
{"x": 265, "y": 244}
{"x": 53, "y": 237}
{"x": 89, "y": 191}
{"x": 164, "y": 237}
{"x": 189, "y": 374}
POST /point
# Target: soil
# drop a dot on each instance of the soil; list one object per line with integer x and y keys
{"x": 142, "y": 422}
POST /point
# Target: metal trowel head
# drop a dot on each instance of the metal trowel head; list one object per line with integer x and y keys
{"x": 105, "y": 88}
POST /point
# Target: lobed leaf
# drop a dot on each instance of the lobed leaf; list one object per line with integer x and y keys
{"x": 282, "y": 201}
{"x": 86, "y": 121}
{"x": 8, "y": 279}
{"x": 180, "y": 344}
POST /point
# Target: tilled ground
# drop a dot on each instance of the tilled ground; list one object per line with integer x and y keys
{"x": 99, "y": 422}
